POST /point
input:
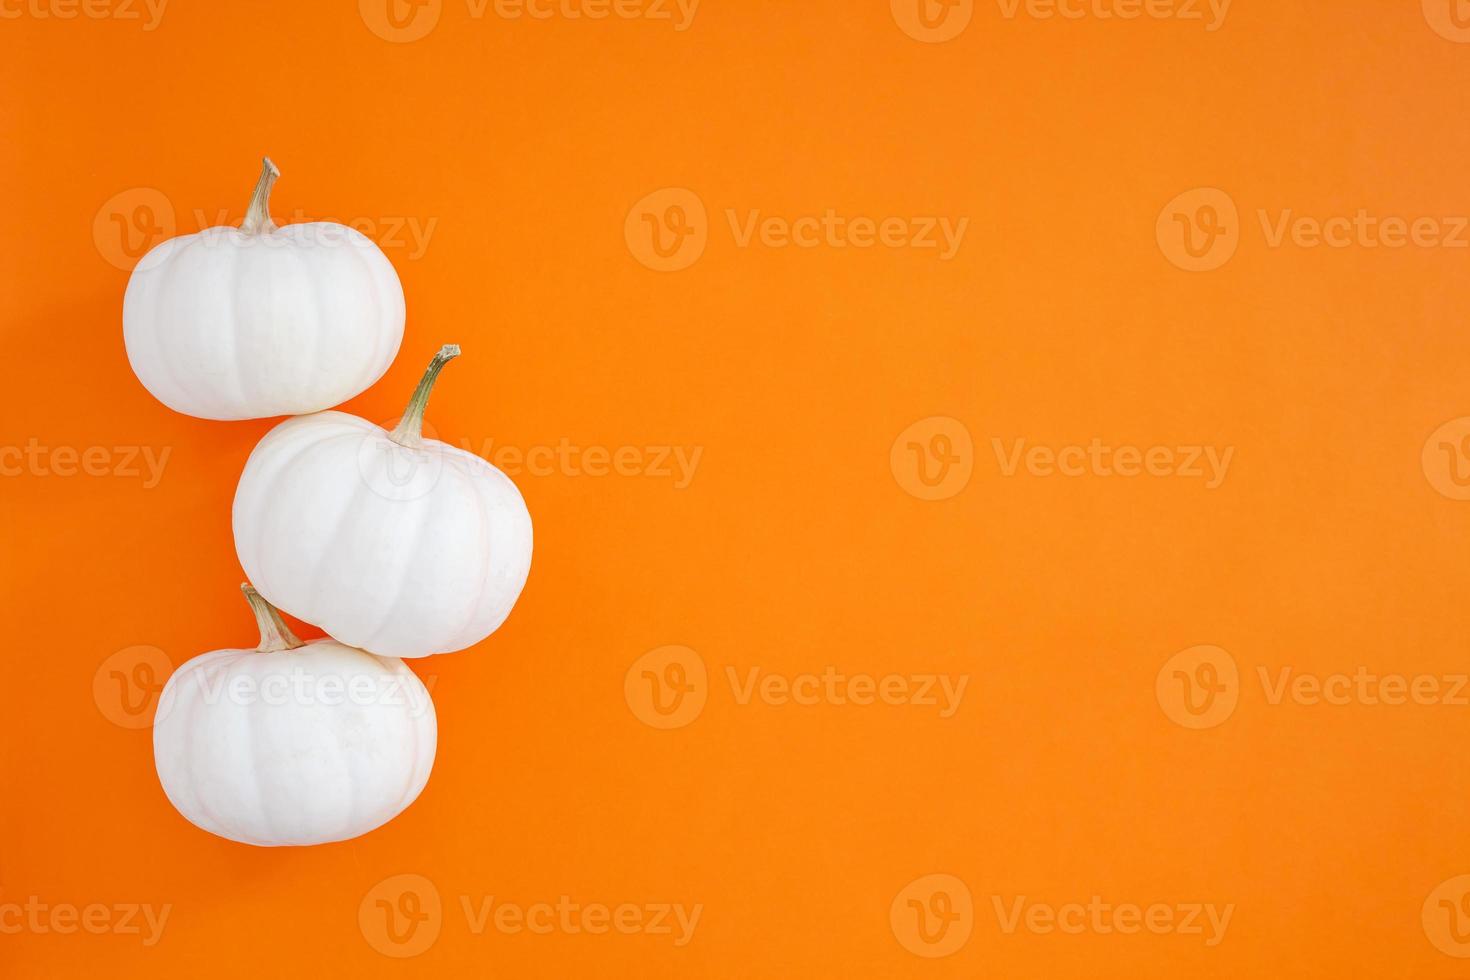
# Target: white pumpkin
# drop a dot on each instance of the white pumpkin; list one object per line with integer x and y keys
{"x": 292, "y": 743}
{"x": 256, "y": 321}
{"x": 388, "y": 541}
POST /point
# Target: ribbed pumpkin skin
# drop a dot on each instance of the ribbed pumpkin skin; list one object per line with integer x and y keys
{"x": 227, "y": 325}
{"x": 405, "y": 552}
{"x": 298, "y": 769}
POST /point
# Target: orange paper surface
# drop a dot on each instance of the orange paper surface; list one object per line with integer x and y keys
{"x": 1000, "y": 472}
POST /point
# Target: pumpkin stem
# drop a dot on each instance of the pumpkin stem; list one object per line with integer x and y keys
{"x": 258, "y": 216}
{"x": 274, "y": 633}
{"x": 410, "y": 429}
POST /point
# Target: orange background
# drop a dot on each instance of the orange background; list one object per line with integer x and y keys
{"x": 795, "y": 546}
